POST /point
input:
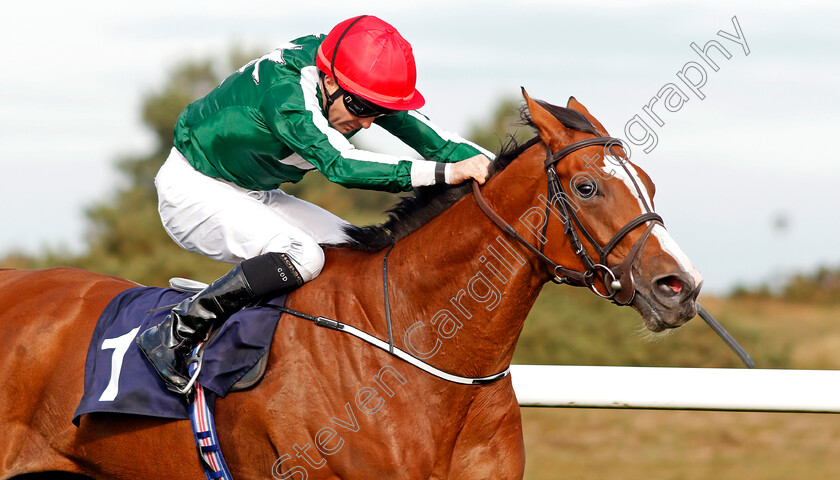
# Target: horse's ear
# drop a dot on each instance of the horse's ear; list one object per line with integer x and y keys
{"x": 573, "y": 104}
{"x": 551, "y": 131}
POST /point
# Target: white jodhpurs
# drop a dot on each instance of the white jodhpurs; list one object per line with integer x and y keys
{"x": 229, "y": 223}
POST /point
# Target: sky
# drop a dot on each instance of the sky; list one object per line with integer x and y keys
{"x": 747, "y": 177}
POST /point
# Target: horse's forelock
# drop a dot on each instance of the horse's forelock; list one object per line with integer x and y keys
{"x": 568, "y": 117}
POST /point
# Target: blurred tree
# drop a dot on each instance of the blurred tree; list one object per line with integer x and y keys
{"x": 505, "y": 122}
{"x": 125, "y": 236}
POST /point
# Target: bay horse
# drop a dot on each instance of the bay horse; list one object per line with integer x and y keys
{"x": 331, "y": 406}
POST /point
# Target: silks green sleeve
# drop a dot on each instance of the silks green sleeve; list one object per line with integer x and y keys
{"x": 419, "y": 133}
{"x": 304, "y": 129}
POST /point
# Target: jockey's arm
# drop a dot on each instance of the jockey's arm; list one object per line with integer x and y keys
{"x": 307, "y": 132}
{"x": 468, "y": 160}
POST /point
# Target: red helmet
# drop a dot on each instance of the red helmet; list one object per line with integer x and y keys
{"x": 372, "y": 61}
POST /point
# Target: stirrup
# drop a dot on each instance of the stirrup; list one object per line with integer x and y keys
{"x": 197, "y": 357}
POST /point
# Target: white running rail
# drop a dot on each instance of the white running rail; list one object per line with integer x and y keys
{"x": 761, "y": 390}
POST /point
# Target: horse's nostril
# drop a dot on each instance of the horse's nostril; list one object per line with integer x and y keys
{"x": 671, "y": 285}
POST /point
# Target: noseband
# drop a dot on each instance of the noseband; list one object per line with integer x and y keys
{"x": 618, "y": 280}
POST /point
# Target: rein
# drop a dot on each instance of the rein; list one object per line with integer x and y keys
{"x": 389, "y": 345}
{"x": 618, "y": 280}
{"x": 621, "y": 276}
{"x": 390, "y": 348}
{"x": 191, "y": 286}
{"x": 617, "y": 288}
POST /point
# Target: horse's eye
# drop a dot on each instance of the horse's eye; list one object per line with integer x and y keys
{"x": 586, "y": 189}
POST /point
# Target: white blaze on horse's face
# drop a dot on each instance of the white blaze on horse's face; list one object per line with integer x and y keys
{"x": 666, "y": 241}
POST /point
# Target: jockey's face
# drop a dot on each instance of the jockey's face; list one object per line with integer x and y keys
{"x": 339, "y": 118}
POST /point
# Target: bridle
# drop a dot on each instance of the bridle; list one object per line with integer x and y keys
{"x": 618, "y": 280}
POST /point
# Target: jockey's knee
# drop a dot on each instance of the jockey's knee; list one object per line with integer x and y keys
{"x": 312, "y": 262}
{"x": 305, "y": 254}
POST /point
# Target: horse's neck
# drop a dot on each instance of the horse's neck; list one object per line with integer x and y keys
{"x": 460, "y": 289}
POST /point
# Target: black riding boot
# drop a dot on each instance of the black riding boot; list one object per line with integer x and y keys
{"x": 194, "y": 320}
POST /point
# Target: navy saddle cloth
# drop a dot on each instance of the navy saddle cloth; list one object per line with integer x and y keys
{"x": 119, "y": 379}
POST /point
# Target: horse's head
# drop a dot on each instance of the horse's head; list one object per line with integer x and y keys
{"x": 604, "y": 203}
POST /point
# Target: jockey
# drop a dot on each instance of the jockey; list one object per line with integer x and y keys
{"x": 276, "y": 118}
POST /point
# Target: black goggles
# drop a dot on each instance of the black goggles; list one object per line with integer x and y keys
{"x": 359, "y": 107}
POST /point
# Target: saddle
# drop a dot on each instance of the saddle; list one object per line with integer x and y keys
{"x": 119, "y": 379}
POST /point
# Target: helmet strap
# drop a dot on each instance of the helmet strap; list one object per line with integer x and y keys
{"x": 330, "y": 97}
{"x": 335, "y": 49}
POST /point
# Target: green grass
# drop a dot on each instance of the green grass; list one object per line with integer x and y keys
{"x": 657, "y": 445}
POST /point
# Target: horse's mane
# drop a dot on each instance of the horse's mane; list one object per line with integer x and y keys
{"x": 425, "y": 203}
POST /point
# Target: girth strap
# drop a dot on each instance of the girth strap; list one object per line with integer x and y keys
{"x": 204, "y": 428}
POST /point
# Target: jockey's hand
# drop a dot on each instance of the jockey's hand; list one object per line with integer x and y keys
{"x": 471, "y": 168}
